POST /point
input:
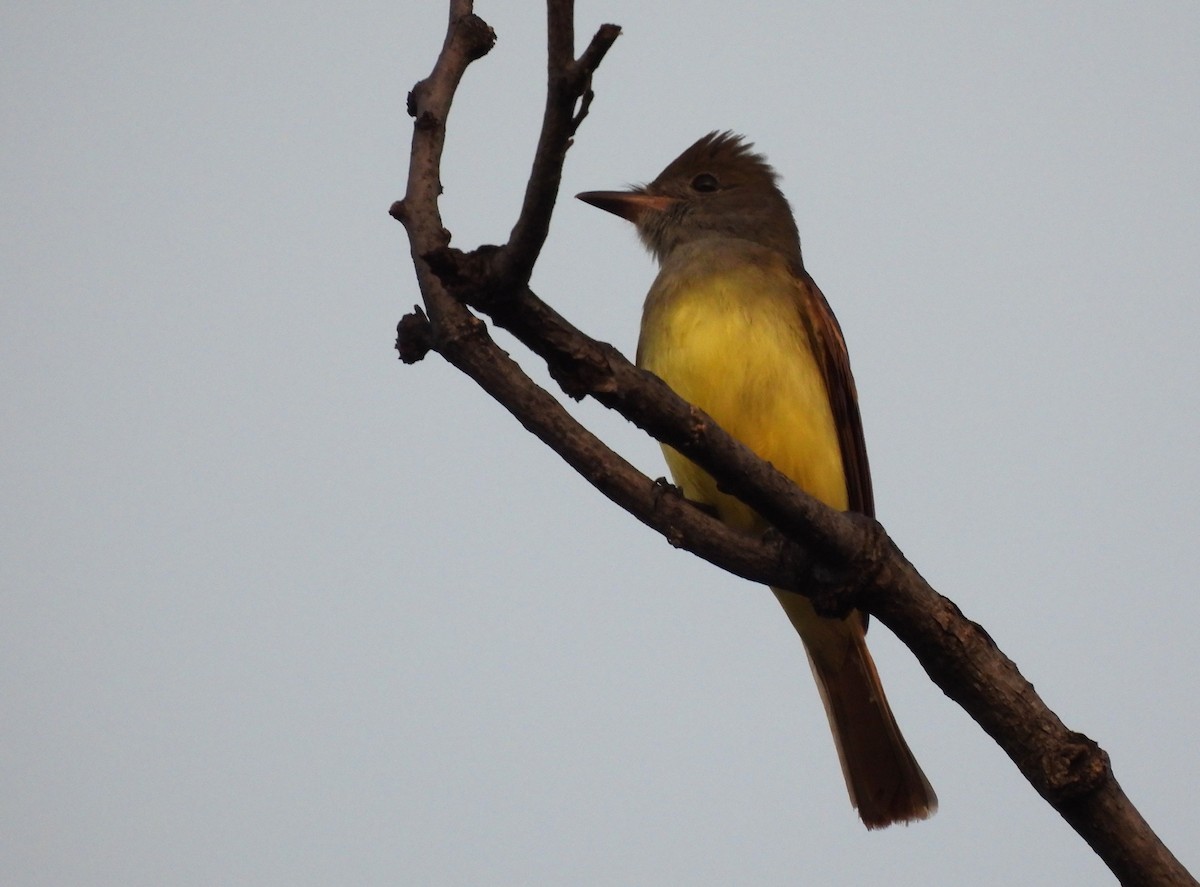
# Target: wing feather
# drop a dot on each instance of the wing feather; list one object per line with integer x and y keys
{"x": 834, "y": 360}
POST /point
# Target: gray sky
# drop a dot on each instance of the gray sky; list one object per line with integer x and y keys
{"x": 276, "y": 609}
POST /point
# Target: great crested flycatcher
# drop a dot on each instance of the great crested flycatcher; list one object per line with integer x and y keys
{"x": 734, "y": 324}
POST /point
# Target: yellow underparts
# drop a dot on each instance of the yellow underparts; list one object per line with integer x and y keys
{"x": 722, "y": 327}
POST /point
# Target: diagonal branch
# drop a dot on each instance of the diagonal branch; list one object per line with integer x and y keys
{"x": 839, "y": 560}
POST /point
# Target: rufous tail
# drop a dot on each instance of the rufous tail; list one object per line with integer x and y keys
{"x": 884, "y": 780}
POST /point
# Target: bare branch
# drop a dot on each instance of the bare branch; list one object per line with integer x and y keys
{"x": 840, "y": 560}
{"x": 568, "y": 85}
{"x": 468, "y": 38}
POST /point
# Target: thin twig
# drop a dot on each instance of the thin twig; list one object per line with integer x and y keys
{"x": 567, "y": 85}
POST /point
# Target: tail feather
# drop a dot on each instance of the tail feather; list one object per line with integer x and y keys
{"x": 885, "y": 782}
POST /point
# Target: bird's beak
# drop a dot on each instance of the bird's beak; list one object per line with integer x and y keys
{"x": 631, "y": 205}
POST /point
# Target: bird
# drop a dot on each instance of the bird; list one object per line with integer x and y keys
{"x": 735, "y": 325}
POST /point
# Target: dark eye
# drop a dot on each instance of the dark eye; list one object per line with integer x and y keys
{"x": 705, "y": 183}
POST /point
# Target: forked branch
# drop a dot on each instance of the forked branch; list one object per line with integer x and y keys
{"x": 841, "y": 561}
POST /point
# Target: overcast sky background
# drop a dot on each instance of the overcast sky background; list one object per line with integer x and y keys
{"x": 276, "y": 609}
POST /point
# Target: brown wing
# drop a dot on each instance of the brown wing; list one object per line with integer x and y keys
{"x": 839, "y": 382}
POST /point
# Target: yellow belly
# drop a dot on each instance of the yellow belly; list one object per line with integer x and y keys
{"x": 726, "y": 335}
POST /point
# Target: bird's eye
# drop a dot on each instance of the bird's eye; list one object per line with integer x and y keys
{"x": 705, "y": 183}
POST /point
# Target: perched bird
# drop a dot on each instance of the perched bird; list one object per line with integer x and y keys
{"x": 735, "y": 325}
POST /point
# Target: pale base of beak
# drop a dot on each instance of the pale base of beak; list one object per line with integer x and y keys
{"x": 630, "y": 205}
